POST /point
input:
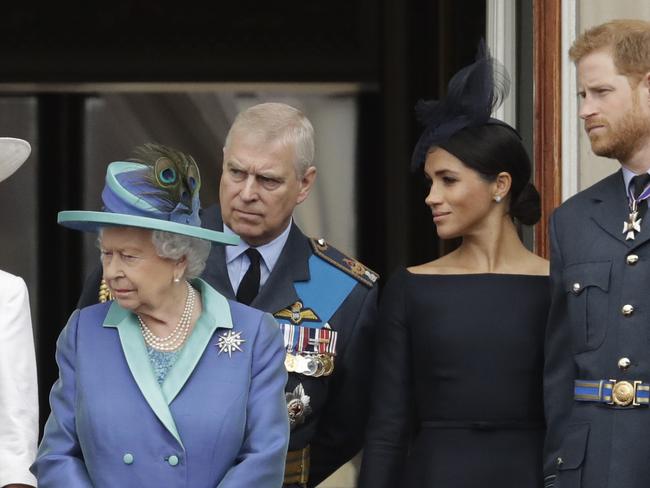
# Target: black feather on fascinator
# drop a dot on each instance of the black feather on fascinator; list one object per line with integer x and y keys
{"x": 472, "y": 95}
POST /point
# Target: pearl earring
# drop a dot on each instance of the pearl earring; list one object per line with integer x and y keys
{"x": 497, "y": 198}
{"x": 177, "y": 280}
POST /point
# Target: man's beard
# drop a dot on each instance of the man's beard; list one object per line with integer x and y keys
{"x": 624, "y": 139}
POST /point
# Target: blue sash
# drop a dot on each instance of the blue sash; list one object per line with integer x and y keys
{"x": 326, "y": 290}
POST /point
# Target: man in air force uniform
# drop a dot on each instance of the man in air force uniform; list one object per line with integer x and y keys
{"x": 597, "y": 375}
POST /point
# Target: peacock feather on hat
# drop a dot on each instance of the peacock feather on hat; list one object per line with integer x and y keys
{"x": 173, "y": 176}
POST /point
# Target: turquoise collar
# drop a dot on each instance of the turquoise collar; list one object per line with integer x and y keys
{"x": 215, "y": 314}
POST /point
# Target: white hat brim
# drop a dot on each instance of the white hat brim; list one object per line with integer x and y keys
{"x": 13, "y": 153}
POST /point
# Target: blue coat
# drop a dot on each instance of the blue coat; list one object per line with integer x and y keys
{"x": 218, "y": 420}
{"x": 334, "y": 428}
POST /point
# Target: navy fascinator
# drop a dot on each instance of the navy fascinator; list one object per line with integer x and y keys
{"x": 472, "y": 95}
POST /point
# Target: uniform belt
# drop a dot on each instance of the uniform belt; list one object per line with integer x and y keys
{"x": 297, "y": 467}
{"x": 618, "y": 393}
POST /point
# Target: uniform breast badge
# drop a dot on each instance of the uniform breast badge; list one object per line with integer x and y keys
{"x": 229, "y": 342}
{"x": 297, "y": 405}
{"x": 297, "y": 313}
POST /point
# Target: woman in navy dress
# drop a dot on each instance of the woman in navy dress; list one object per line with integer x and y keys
{"x": 458, "y": 387}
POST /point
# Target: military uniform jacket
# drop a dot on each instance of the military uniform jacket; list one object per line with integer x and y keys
{"x": 600, "y": 314}
{"x": 339, "y": 403}
{"x": 217, "y": 421}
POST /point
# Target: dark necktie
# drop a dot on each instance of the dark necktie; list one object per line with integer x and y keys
{"x": 638, "y": 183}
{"x": 250, "y": 283}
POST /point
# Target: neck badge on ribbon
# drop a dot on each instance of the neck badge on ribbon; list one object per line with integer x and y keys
{"x": 633, "y": 223}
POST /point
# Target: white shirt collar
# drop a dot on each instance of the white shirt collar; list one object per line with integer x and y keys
{"x": 627, "y": 177}
{"x": 270, "y": 251}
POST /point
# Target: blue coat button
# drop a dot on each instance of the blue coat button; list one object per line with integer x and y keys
{"x": 172, "y": 460}
{"x": 128, "y": 458}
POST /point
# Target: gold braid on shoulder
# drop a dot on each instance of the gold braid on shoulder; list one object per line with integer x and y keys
{"x": 104, "y": 292}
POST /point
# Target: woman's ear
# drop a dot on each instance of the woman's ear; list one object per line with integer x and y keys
{"x": 502, "y": 185}
{"x": 179, "y": 268}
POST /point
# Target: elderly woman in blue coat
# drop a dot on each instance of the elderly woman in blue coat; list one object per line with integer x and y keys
{"x": 168, "y": 384}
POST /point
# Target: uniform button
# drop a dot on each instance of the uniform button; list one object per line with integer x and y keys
{"x": 576, "y": 287}
{"x": 128, "y": 458}
{"x": 631, "y": 259}
{"x": 560, "y": 461}
{"x": 172, "y": 460}
{"x": 624, "y": 363}
{"x": 627, "y": 310}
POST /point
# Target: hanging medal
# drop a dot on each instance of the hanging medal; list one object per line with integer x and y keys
{"x": 633, "y": 223}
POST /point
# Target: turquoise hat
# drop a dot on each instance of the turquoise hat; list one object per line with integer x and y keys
{"x": 159, "y": 195}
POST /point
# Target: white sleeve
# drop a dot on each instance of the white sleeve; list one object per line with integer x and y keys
{"x": 18, "y": 387}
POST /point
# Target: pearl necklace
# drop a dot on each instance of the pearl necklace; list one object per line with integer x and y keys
{"x": 177, "y": 336}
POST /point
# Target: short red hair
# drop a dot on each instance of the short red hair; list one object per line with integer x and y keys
{"x": 628, "y": 41}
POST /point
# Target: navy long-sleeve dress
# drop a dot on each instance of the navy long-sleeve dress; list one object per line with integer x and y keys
{"x": 458, "y": 383}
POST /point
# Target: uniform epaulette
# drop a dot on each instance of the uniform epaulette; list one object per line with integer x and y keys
{"x": 339, "y": 260}
{"x": 105, "y": 294}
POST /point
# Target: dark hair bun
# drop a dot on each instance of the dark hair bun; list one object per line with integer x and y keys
{"x": 527, "y": 207}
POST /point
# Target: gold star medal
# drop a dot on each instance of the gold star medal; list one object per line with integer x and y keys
{"x": 229, "y": 342}
{"x": 290, "y": 362}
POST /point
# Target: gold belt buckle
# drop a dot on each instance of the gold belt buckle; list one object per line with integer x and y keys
{"x": 624, "y": 393}
{"x": 297, "y": 467}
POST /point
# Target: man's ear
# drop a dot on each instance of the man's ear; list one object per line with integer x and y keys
{"x": 306, "y": 183}
{"x": 646, "y": 87}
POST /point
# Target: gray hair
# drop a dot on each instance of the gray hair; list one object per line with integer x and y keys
{"x": 175, "y": 246}
{"x": 278, "y": 122}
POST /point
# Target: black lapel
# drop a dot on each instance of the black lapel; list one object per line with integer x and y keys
{"x": 293, "y": 265}
{"x": 216, "y": 272}
{"x": 612, "y": 207}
